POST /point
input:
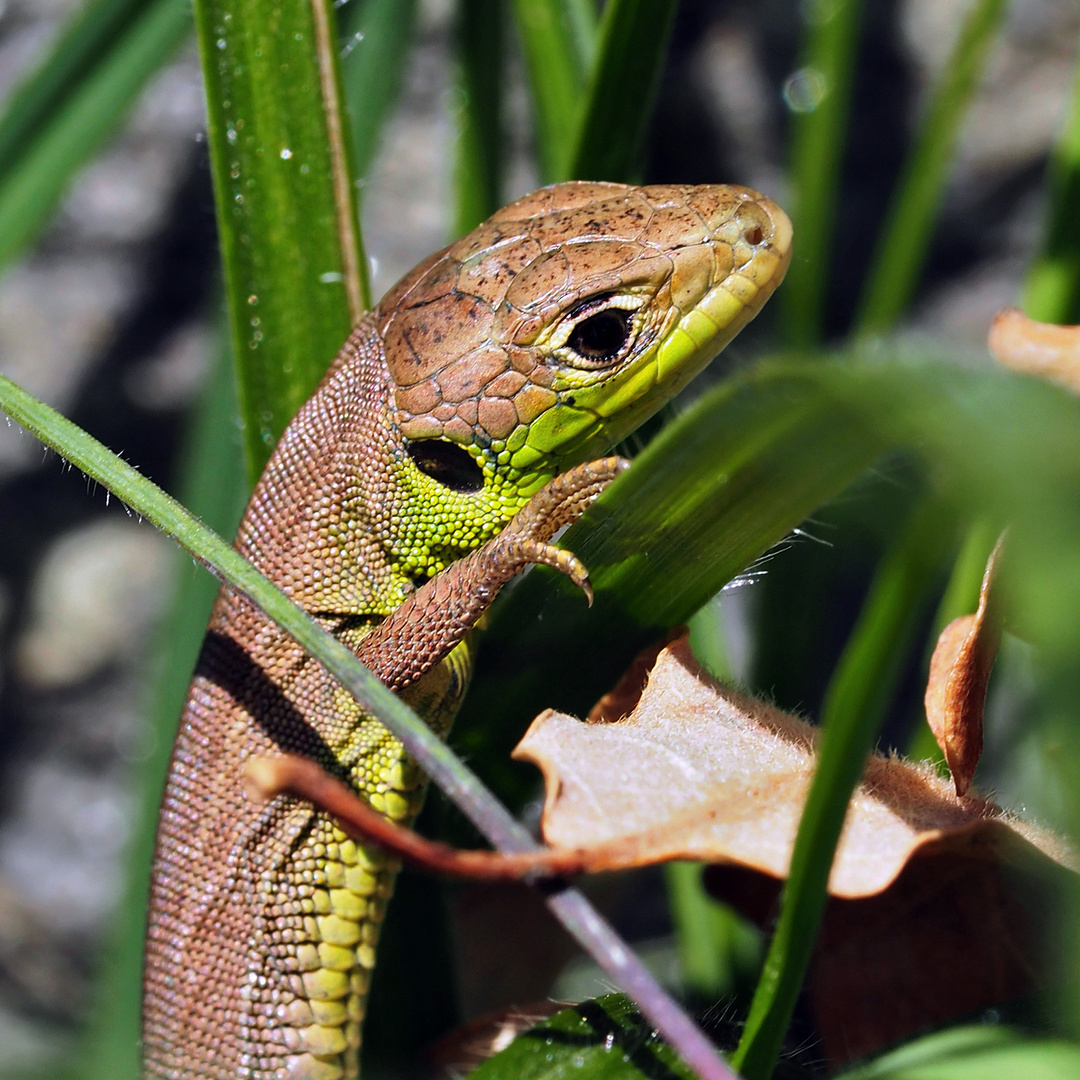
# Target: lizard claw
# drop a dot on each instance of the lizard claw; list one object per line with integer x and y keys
{"x": 566, "y": 562}
{"x": 561, "y": 502}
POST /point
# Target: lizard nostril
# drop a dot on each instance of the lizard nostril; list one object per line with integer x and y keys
{"x": 754, "y": 235}
{"x": 447, "y": 464}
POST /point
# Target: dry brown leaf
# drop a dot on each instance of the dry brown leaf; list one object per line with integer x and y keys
{"x": 1035, "y": 348}
{"x": 960, "y": 930}
{"x": 621, "y": 701}
{"x": 959, "y": 673}
{"x": 702, "y": 772}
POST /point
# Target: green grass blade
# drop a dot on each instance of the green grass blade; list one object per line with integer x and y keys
{"x": 854, "y": 708}
{"x": 376, "y": 35}
{"x": 909, "y": 225}
{"x": 727, "y": 481}
{"x": 73, "y": 109}
{"x": 290, "y": 240}
{"x": 1052, "y": 289}
{"x": 820, "y": 95}
{"x": 87, "y": 39}
{"x": 717, "y": 947}
{"x": 551, "y": 40}
{"x": 618, "y": 102}
{"x": 478, "y": 155}
{"x": 149, "y": 501}
{"x": 583, "y": 26}
{"x": 974, "y": 1053}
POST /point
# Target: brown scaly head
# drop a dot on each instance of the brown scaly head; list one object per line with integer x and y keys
{"x": 558, "y": 326}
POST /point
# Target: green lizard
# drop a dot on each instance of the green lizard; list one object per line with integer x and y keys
{"x": 447, "y": 443}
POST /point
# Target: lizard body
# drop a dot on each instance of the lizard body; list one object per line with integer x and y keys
{"x": 510, "y": 357}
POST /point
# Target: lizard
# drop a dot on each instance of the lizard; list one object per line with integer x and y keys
{"x": 456, "y": 431}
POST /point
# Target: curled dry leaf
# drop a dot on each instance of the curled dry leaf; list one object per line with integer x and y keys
{"x": 959, "y": 673}
{"x": 1035, "y": 348}
{"x": 623, "y": 698}
{"x": 699, "y": 771}
{"x": 937, "y": 900}
{"x": 962, "y": 929}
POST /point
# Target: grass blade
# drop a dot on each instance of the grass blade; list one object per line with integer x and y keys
{"x": 986, "y": 1052}
{"x": 905, "y": 239}
{"x": 551, "y": 38}
{"x": 615, "y": 112}
{"x": 583, "y": 24}
{"x": 87, "y": 39}
{"x": 478, "y": 163}
{"x": 72, "y": 106}
{"x": 819, "y": 93}
{"x": 854, "y": 709}
{"x": 433, "y": 756}
{"x": 290, "y": 240}
{"x": 1052, "y": 289}
{"x": 377, "y": 34}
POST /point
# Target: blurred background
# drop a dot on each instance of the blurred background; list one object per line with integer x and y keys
{"x": 113, "y": 316}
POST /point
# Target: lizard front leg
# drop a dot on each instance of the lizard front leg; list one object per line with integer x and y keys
{"x": 427, "y": 626}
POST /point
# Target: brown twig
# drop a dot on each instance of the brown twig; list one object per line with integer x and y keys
{"x": 266, "y": 777}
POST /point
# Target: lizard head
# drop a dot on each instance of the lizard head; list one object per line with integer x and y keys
{"x": 560, "y": 324}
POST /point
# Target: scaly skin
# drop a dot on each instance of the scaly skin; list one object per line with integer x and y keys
{"x": 493, "y": 367}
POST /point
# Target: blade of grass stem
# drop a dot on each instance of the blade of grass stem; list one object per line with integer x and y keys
{"x": 615, "y": 112}
{"x": 819, "y": 93}
{"x": 905, "y": 239}
{"x": 967, "y": 1053}
{"x": 712, "y": 942}
{"x": 583, "y": 24}
{"x": 287, "y": 224}
{"x": 853, "y": 711}
{"x": 550, "y": 39}
{"x": 79, "y": 120}
{"x": 433, "y": 756}
{"x": 478, "y": 155}
{"x": 84, "y": 44}
{"x": 376, "y": 36}
{"x": 1052, "y": 288}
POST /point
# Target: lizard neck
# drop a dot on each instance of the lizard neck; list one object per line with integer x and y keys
{"x": 359, "y": 522}
{"x": 314, "y": 523}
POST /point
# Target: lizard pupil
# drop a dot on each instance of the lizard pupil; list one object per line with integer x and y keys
{"x": 447, "y": 464}
{"x": 601, "y": 336}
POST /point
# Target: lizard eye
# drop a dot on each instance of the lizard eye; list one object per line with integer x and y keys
{"x": 601, "y": 333}
{"x": 600, "y": 337}
{"x": 447, "y": 464}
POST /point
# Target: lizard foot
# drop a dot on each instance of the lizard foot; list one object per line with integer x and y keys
{"x": 526, "y": 539}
